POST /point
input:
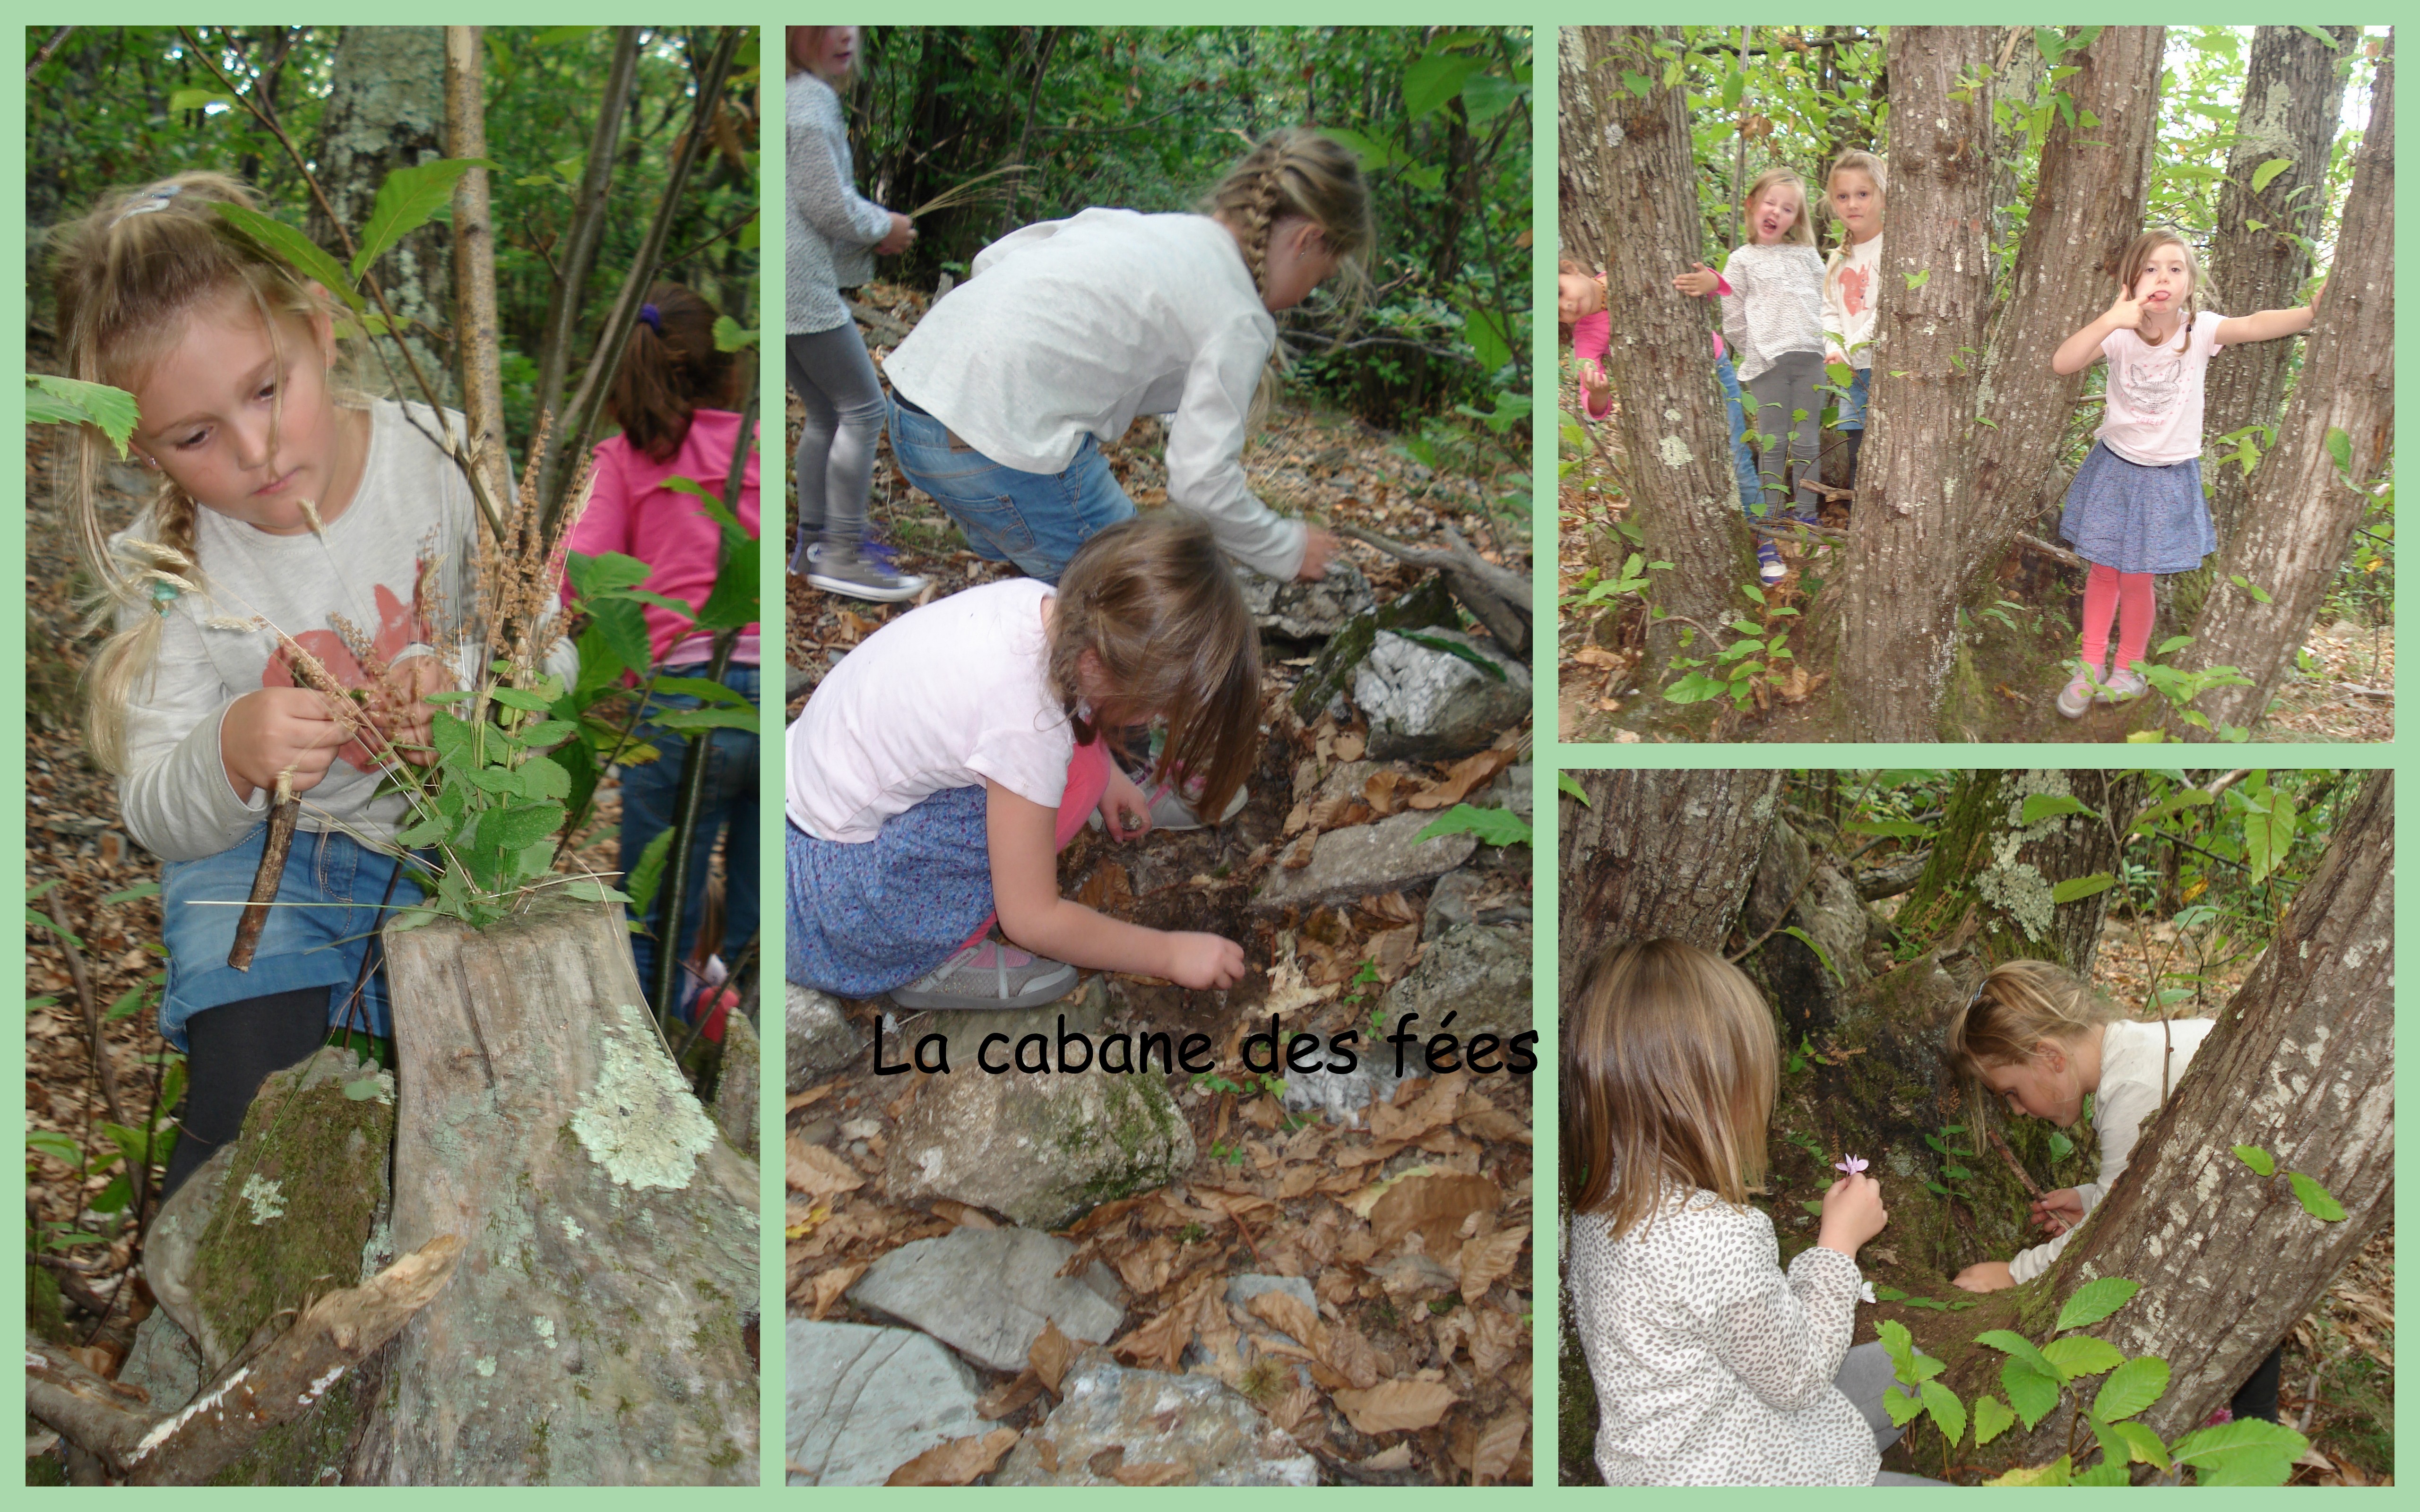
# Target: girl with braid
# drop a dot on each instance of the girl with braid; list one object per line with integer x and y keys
{"x": 302, "y": 542}
{"x": 1067, "y": 329}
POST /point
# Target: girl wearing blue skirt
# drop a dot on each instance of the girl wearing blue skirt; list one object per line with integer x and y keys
{"x": 2136, "y": 509}
{"x": 941, "y": 766}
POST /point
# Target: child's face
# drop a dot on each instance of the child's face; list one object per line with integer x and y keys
{"x": 1298, "y": 260}
{"x": 2167, "y": 280}
{"x": 2045, "y": 1087}
{"x": 1774, "y": 212}
{"x": 1576, "y": 297}
{"x": 1857, "y": 203}
{"x": 831, "y": 58}
{"x": 246, "y": 425}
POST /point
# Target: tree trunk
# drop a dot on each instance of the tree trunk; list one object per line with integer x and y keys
{"x": 477, "y": 337}
{"x": 2300, "y": 510}
{"x": 2292, "y": 97}
{"x": 386, "y": 110}
{"x": 1631, "y": 155}
{"x": 594, "y": 1332}
{"x": 1986, "y": 858}
{"x": 1659, "y": 855}
{"x": 1901, "y": 612}
{"x": 2302, "y": 1065}
{"x": 587, "y": 229}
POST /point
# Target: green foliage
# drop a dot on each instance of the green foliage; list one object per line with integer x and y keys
{"x": 2257, "y": 1158}
{"x": 1740, "y": 669}
{"x": 1565, "y": 782}
{"x": 1494, "y": 826}
{"x": 63, "y": 401}
{"x": 2315, "y": 1198}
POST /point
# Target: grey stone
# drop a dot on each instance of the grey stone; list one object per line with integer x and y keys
{"x": 1340, "y": 1096}
{"x": 1084, "y": 1011}
{"x": 1243, "y": 1289}
{"x": 1323, "y": 684}
{"x": 737, "y": 1087}
{"x": 1430, "y": 705}
{"x": 165, "y": 1362}
{"x": 1470, "y": 897}
{"x": 1155, "y": 1418}
{"x": 1480, "y": 973}
{"x": 862, "y": 1401}
{"x": 1346, "y": 864}
{"x": 1513, "y": 789}
{"x": 1043, "y": 1149}
{"x": 1311, "y": 610}
{"x": 820, "y": 1038}
{"x": 987, "y": 1292}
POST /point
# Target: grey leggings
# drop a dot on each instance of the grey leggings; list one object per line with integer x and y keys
{"x": 834, "y": 380}
{"x": 1781, "y": 391}
{"x": 1864, "y": 1375}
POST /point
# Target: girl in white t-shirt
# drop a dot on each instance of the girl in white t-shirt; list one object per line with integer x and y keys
{"x": 1852, "y": 282}
{"x": 2135, "y": 508}
{"x": 1067, "y": 329}
{"x": 939, "y": 769}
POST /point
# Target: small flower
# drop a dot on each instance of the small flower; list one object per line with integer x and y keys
{"x": 1865, "y": 1291}
{"x": 1850, "y": 1165}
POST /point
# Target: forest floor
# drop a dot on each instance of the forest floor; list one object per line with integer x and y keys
{"x": 1268, "y": 1193}
{"x": 2342, "y": 689}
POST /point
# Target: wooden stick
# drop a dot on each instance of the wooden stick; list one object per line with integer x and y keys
{"x": 2011, "y": 1156}
{"x": 283, "y": 810}
{"x": 83, "y": 980}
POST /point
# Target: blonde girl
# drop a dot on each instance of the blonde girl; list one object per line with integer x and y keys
{"x": 938, "y": 770}
{"x": 1852, "y": 284}
{"x": 1772, "y": 318}
{"x": 1067, "y": 329}
{"x": 2136, "y": 509}
{"x": 1713, "y": 1366}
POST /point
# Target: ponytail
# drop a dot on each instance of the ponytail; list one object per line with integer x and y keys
{"x": 669, "y": 370}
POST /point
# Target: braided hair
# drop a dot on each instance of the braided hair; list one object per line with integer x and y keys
{"x": 1296, "y": 173}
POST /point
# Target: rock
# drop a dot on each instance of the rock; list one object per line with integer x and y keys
{"x": 820, "y": 1037}
{"x": 863, "y": 1402}
{"x": 736, "y": 1086}
{"x": 1347, "y": 864}
{"x": 987, "y": 1292}
{"x": 1042, "y": 1149}
{"x": 1340, "y": 1096}
{"x": 1312, "y": 611}
{"x": 1513, "y": 789}
{"x": 165, "y": 1362}
{"x": 1480, "y": 973}
{"x": 1329, "y": 676}
{"x": 1470, "y": 897}
{"x": 1433, "y": 705}
{"x": 1243, "y": 1289}
{"x": 1194, "y": 1421}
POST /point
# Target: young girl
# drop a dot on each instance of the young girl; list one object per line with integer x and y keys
{"x": 2135, "y": 508}
{"x": 834, "y": 234}
{"x": 939, "y": 769}
{"x": 1068, "y": 329}
{"x": 1713, "y": 1366}
{"x": 1774, "y": 319}
{"x": 668, "y": 400}
{"x": 1849, "y": 287}
{"x": 2043, "y": 1040}
{"x": 1702, "y": 282}
{"x": 281, "y": 507}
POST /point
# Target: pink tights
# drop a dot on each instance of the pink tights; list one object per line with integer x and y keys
{"x": 2127, "y": 596}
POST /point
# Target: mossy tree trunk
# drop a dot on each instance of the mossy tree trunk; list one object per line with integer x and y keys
{"x": 2301, "y": 1064}
{"x": 1988, "y": 859}
{"x": 386, "y": 110}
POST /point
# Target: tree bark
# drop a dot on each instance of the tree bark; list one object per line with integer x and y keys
{"x": 1658, "y": 855}
{"x": 1988, "y": 859}
{"x": 477, "y": 336}
{"x": 1629, "y": 195}
{"x": 385, "y": 110}
{"x": 2301, "y": 1064}
{"x": 594, "y": 1334}
{"x": 2299, "y": 512}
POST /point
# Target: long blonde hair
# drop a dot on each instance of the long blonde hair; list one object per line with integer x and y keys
{"x": 127, "y": 276}
{"x": 1297, "y": 172}
{"x": 1669, "y": 1066}
{"x": 2130, "y": 267}
{"x": 2017, "y": 1006}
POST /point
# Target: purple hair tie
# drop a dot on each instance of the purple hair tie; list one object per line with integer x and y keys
{"x": 653, "y": 316}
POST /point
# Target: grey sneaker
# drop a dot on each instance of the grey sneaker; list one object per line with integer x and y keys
{"x": 988, "y": 973}
{"x": 1169, "y": 809}
{"x": 2077, "y": 695}
{"x": 842, "y": 568}
{"x": 2124, "y": 686}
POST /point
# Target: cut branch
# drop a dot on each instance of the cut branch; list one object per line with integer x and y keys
{"x": 283, "y": 811}
{"x": 83, "y": 980}
{"x": 1496, "y": 596}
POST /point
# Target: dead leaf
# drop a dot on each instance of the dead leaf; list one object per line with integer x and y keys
{"x": 857, "y": 629}
{"x": 1107, "y": 890}
{"x": 1464, "y": 775}
{"x": 1048, "y": 1452}
{"x": 817, "y": 1171}
{"x": 1160, "y": 1344}
{"x": 831, "y": 1284}
{"x": 1435, "y": 1206}
{"x": 1599, "y": 656}
{"x": 1289, "y": 1411}
{"x": 962, "y": 1215}
{"x": 1488, "y": 1259}
{"x": 1432, "y": 1108}
{"x": 1297, "y": 817}
{"x": 1288, "y": 1316}
{"x": 957, "y": 1462}
{"x": 1481, "y": 1119}
{"x": 1105, "y": 1463}
{"x": 813, "y": 1094}
{"x": 1049, "y": 1353}
{"x": 1156, "y": 1472}
{"x": 1392, "y": 951}
{"x": 1008, "y": 1395}
{"x": 1395, "y": 1406}
{"x": 1349, "y": 747}
{"x": 1381, "y": 791}
{"x": 1297, "y": 855}
{"x": 1396, "y": 1455}
{"x": 1494, "y": 1339}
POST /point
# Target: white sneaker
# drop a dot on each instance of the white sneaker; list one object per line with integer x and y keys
{"x": 2124, "y": 686}
{"x": 2078, "y": 694}
{"x": 988, "y": 973}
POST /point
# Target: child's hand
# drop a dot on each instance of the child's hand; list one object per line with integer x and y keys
{"x": 2058, "y": 1212}
{"x": 903, "y": 231}
{"x": 1203, "y": 961}
{"x": 1835, "y": 356}
{"x": 1984, "y": 1275}
{"x": 2319, "y": 293}
{"x": 2125, "y": 312}
{"x": 1698, "y": 282}
{"x": 1124, "y": 811}
{"x": 1853, "y": 1214}
{"x": 1317, "y": 546}
{"x": 275, "y": 730}
{"x": 398, "y": 707}
{"x": 1598, "y": 386}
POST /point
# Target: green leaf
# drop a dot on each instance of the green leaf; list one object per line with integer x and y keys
{"x": 1881, "y": 1293}
{"x": 1453, "y": 648}
{"x": 182, "y": 101}
{"x": 2109, "y": 1472}
{"x": 684, "y": 721}
{"x": 1929, "y": 1304}
{"x": 2249, "y": 1451}
{"x": 729, "y": 337}
{"x": 2042, "y": 806}
{"x": 1494, "y": 826}
{"x": 64, "y": 401}
{"x": 2075, "y": 888}
{"x": 2267, "y": 172}
{"x": 1563, "y": 782}
{"x": 546, "y": 733}
{"x": 542, "y": 779}
{"x": 406, "y": 201}
{"x": 733, "y": 603}
{"x": 2340, "y": 450}
{"x": 520, "y": 826}
{"x": 2054, "y": 1474}
{"x": 1917, "y": 280}
{"x": 644, "y": 878}
{"x": 2257, "y": 1158}
{"x": 2095, "y": 1301}
{"x": 2061, "y": 1145}
{"x": 1808, "y": 940}
{"x": 1487, "y": 96}
{"x": 362, "y": 1089}
{"x": 58, "y": 1146}
{"x": 2143, "y": 1447}
{"x": 1434, "y": 79}
{"x": 1902, "y": 1407}
{"x": 1483, "y": 330}
{"x": 2268, "y": 833}
{"x": 521, "y": 699}
{"x": 2032, "y": 1392}
{"x": 589, "y": 889}
{"x": 1992, "y": 1417}
{"x": 1949, "y": 1412}
{"x": 2316, "y": 1200}
{"x": 2017, "y": 1346}
{"x": 1901, "y": 1346}
{"x": 298, "y": 250}
{"x": 129, "y": 1003}
{"x": 2133, "y": 1386}
{"x": 126, "y": 895}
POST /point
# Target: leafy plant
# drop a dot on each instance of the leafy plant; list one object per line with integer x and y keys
{"x": 1494, "y": 826}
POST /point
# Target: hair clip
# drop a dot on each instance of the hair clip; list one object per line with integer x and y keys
{"x": 653, "y": 316}
{"x": 154, "y": 198}
{"x": 161, "y": 593}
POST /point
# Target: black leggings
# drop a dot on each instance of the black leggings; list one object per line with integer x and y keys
{"x": 2258, "y": 1397}
{"x": 230, "y": 1050}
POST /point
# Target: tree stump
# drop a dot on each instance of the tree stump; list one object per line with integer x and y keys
{"x": 595, "y": 1331}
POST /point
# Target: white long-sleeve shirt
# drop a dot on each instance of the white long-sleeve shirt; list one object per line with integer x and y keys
{"x": 1075, "y": 327}
{"x": 1850, "y": 290}
{"x": 1713, "y": 1366}
{"x": 2129, "y": 1093}
{"x": 1776, "y": 304}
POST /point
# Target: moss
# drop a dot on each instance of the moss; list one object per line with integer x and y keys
{"x": 46, "y": 1470}
{"x": 313, "y": 1450}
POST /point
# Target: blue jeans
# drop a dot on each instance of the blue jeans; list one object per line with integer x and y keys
{"x": 1743, "y": 456}
{"x": 1035, "y": 520}
{"x": 1853, "y": 404}
{"x": 325, "y": 918}
{"x": 650, "y": 795}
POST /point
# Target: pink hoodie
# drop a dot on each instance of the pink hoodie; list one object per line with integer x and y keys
{"x": 633, "y": 513}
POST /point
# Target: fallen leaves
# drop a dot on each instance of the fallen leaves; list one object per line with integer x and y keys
{"x": 1395, "y": 1406}
{"x": 817, "y": 1171}
{"x": 957, "y": 1462}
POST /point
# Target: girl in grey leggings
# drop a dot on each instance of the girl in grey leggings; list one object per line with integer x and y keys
{"x": 1781, "y": 391}
{"x": 833, "y": 379}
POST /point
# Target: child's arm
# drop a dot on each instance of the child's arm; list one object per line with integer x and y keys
{"x": 2267, "y": 325}
{"x": 1206, "y": 459}
{"x": 831, "y": 204}
{"x": 1783, "y": 1335}
{"x": 1735, "y": 306}
{"x": 1592, "y": 338}
{"x": 1836, "y": 317}
{"x": 2079, "y": 351}
{"x": 1025, "y": 887}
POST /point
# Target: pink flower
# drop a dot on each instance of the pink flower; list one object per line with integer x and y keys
{"x": 1849, "y": 1165}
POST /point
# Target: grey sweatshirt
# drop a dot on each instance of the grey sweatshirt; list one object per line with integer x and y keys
{"x": 832, "y": 227}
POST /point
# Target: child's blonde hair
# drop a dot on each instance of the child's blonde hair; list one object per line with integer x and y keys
{"x": 1297, "y": 172}
{"x": 1154, "y": 600}
{"x": 2139, "y": 252}
{"x": 1872, "y": 168}
{"x": 127, "y": 276}
{"x": 2017, "y": 1006}
{"x": 1670, "y": 1064}
{"x": 1802, "y": 230}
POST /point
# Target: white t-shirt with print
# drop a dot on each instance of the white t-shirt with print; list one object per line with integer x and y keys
{"x": 2155, "y": 414}
{"x": 941, "y": 697}
{"x": 1848, "y": 289}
